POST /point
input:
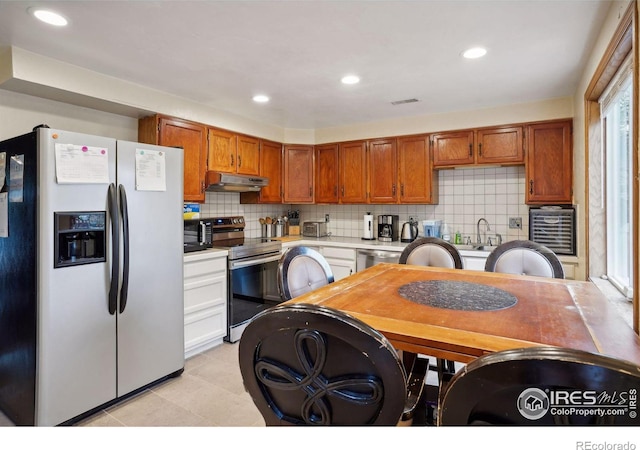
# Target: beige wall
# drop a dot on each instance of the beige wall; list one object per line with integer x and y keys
{"x": 19, "y": 113}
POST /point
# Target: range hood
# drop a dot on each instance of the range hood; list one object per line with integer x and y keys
{"x": 231, "y": 182}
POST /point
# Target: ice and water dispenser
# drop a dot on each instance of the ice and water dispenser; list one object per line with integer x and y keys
{"x": 80, "y": 238}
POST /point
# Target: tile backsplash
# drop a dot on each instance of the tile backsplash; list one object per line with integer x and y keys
{"x": 466, "y": 195}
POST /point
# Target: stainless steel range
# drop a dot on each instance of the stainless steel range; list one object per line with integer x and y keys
{"x": 252, "y": 274}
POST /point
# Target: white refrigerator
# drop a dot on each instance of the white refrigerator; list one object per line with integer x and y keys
{"x": 91, "y": 272}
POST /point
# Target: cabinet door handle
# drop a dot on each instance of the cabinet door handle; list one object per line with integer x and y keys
{"x": 480, "y": 149}
{"x": 231, "y": 164}
{"x": 202, "y": 187}
{"x": 393, "y": 189}
{"x": 470, "y": 150}
{"x": 343, "y": 191}
{"x": 310, "y": 191}
{"x": 530, "y": 186}
{"x": 239, "y": 161}
{"x": 402, "y": 189}
{"x": 335, "y": 191}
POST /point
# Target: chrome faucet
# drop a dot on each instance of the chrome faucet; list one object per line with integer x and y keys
{"x": 479, "y": 241}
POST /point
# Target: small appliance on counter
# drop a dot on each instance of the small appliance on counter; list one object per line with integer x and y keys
{"x": 314, "y": 229}
{"x": 388, "y": 228}
{"x": 197, "y": 234}
{"x": 368, "y": 234}
{"x": 432, "y": 228}
{"x": 409, "y": 231}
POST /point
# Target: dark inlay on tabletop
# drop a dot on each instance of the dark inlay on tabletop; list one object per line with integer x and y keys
{"x": 458, "y": 295}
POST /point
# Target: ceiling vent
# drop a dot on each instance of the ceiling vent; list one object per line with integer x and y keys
{"x": 402, "y": 102}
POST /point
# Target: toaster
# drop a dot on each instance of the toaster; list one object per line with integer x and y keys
{"x": 314, "y": 229}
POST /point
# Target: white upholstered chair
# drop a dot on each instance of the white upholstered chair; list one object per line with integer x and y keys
{"x": 431, "y": 251}
{"x": 301, "y": 270}
{"x": 524, "y": 257}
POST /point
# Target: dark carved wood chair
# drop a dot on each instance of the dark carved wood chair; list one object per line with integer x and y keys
{"x": 542, "y": 386}
{"x": 310, "y": 365}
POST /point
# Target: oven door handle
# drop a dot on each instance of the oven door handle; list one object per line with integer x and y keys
{"x": 252, "y": 262}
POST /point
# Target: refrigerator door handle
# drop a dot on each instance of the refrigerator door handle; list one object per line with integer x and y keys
{"x": 115, "y": 246}
{"x": 124, "y": 291}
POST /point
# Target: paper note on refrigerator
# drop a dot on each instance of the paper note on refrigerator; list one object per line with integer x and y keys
{"x": 16, "y": 179}
{"x": 4, "y": 216}
{"x": 81, "y": 164}
{"x": 3, "y": 168}
{"x": 150, "y": 170}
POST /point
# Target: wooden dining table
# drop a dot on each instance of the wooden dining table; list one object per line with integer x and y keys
{"x": 460, "y": 315}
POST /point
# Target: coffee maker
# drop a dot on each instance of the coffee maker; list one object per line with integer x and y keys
{"x": 388, "y": 228}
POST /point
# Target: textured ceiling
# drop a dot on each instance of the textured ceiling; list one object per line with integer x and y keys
{"x": 221, "y": 53}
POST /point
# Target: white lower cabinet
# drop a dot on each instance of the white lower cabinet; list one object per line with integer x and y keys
{"x": 205, "y": 301}
{"x": 473, "y": 263}
{"x": 341, "y": 260}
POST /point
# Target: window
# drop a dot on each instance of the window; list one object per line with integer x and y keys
{"x": 616, "y": 113}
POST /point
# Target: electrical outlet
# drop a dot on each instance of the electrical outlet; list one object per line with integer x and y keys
{"x": 326, "y": 217}
{"x": 515, "y": 222}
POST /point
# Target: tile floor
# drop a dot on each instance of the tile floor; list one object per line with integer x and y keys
{"x": 209, "y": 393}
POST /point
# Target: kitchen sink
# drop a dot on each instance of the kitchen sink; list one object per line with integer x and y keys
{"x": 476, "y": 247}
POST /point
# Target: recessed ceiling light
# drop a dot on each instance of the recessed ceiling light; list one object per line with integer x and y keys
{"x": 350, "y": 79}
{"x": 260, "y": 98}
{"x": 475, "y": 52}
{"x": 50, "y": 17}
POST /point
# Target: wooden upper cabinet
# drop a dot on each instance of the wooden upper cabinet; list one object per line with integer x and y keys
{"x": 248, "y": 155}
{"x": 383, "y": 171}
{"x": 222, "y": 150}
{"x": 233, "y": 153}
{"x": 549, "y": 166}
{"x": 271, "y": 167}
{"x": 499, "y": 145}
{"x": 452, "y": 148}
{"x": 418, "y": 180}
{"x": 326, "y": 175}
{"x": 298, "y": 174}
{"x": 192, "y": 137}
{"x": 352, "y": 172}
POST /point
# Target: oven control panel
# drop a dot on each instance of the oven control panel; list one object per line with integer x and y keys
{"x": 227, "y": 222}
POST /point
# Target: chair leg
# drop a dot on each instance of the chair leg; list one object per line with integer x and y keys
{"x": 445, "y": 368}
{"x": 416, "y": 378}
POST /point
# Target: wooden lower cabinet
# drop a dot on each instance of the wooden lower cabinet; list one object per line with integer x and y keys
{"x": 192, "y": 137}
{"x": 549, "y": 165}
{"x": 205, "y": 301}
{"x": 298, "y": 180}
